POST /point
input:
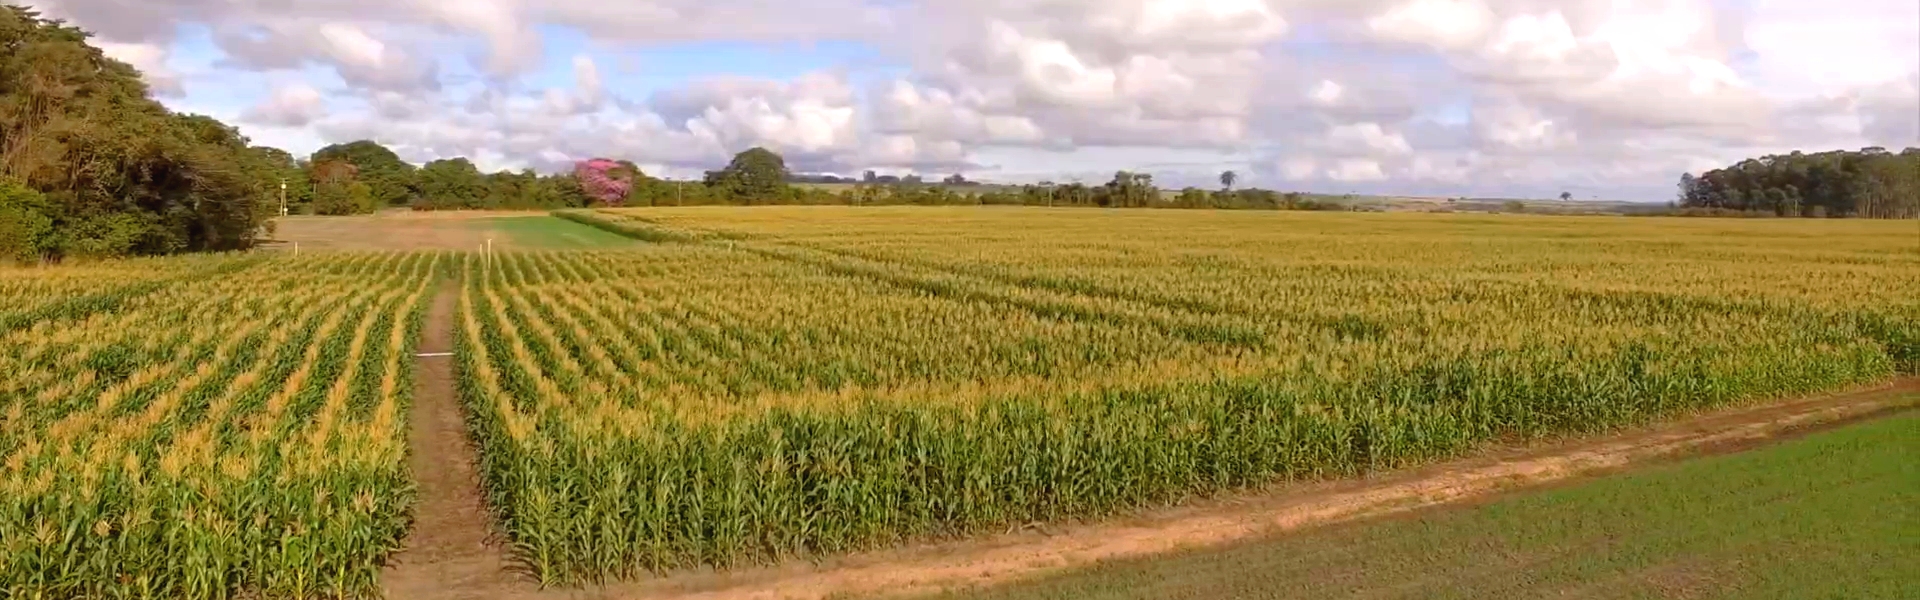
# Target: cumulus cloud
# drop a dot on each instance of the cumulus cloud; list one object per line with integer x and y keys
{"x": 1441, "y": 96}
{"x": 360, "y": 57}
{"x": 151, "y": 60}
{"x": 293, "y": 105}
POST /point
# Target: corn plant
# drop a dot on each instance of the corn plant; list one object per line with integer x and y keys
{"x": 770, "y": 383}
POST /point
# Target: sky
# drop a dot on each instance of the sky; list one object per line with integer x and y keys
{"x": 1607, "y": 99}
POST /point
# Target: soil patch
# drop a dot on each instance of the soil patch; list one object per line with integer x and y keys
{"x": 391, "y": 230}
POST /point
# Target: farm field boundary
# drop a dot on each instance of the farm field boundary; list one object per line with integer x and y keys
{"x": 1038, "y": 550}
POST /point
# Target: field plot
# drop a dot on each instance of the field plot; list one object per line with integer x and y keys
{"x": 235, "y": 425}
{"x": 449, "y": 230}
{"x": 1805, "y": 519}
{"x": 775, "y": 382}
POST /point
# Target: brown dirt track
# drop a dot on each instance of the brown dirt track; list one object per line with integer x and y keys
{"x": 450, "y": 552}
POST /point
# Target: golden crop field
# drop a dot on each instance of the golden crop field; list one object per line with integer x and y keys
{"x": 206, "y": 427}
{"x": 770, "y": 382}
{"x": 763, "y": 383}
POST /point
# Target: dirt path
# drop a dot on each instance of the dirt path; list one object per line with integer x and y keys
{"x": 449, "y": 553}
{"x": 993, "y": 559}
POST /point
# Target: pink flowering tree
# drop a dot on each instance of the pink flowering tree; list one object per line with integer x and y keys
{"x": 606, "y": 182}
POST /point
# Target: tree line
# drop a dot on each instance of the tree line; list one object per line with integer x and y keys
{"x": 1871, "y": 183}
{"x": 90, "y": 165}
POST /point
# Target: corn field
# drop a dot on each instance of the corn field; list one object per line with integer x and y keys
{"x": 206, "y": 427}
{"x": 771, "y": 383}
{"x": 761, "y": 384}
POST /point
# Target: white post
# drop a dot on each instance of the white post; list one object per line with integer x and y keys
{"x": 296, "y": 248}
{"x": 489, "y": 248}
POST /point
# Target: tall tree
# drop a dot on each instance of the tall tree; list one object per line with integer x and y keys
{"x": 1227, "y": 178}
{"x": 99, "y": 167}
{"x": 755, "y": 176}
{"x": 1872, "y": 182}
{"x": 390, "y": 180}
{"x": 450, "y": 183}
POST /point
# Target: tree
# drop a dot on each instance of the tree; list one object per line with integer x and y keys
{"x": 755, "y": 176}
{"x": 955, "y": 179}
{"x": 1193, "y": 197}
{"x": 1872, "y": 182}
{"x": 332, "y": 183}
{"x": 1227, "y": 178}
{"x": 1128, "y": 189}
{"x": 869, "y": 176}
{"x": 96, "y": 167}
{"x": 605, "y": 182}
{"x": 27, "y": 233}
{"x": 389, "y": 179}
{"x": 282, "y": 168}
{"x": 450, "y": 183}
{"x": 1566, "y": 196}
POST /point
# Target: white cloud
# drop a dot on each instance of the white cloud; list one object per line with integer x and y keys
{"x": 292, "y": 105}
{"x": 1350, "y": 170}
{"x": 1427, "y": 95}
{"x": 1447, "y": 24}
{"x": 1366, "y": 139}
{"x": 151, "y": 60}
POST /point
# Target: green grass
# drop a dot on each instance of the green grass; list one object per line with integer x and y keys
{"x": 1832, "y": 515}
{"x": 547, "y": 232}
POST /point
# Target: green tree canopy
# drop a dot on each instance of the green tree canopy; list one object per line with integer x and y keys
{"x": 1869, "y": 183}
{"x": 450, "y": 181}
{"x": 390, "y": 180}
{"x": 755, "y": 176}
{"x": 96, "y": 167}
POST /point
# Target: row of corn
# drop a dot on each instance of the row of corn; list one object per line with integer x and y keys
{"x": 239, "y": 435}
{"x": 788, "y": 390}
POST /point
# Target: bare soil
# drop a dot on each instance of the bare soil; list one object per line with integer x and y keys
{"x": 1281, "y": 508}
{"x": 389, "y": 230}
{"x": 450, "y": 552}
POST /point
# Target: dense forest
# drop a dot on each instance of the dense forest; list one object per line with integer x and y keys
{"x": 1872, "y": 183}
